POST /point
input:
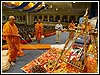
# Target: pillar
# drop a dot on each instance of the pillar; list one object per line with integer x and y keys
{"x": 60, "y": 17}
{"x": 48, "y": 18}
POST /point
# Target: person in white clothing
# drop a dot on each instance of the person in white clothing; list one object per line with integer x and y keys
{"x": 58, "y": 28}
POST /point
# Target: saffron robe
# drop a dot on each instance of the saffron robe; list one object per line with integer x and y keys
{"x": 10, "y": 34}
{"x": 39, "y": 31}
{"x": 71, "y": 26}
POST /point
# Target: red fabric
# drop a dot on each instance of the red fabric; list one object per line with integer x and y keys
{"x": 25, "y": 41}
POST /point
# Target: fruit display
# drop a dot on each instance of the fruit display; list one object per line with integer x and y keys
{"x": 72, "y": 69}
{"x": 91, "y": 65}
{"x": 61, "y": 68}
{"x": 48, "y": 60}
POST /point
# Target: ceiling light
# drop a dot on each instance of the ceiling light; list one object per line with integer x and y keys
{"x": 74, "y": 2}
{"x": 51, "y": 6}
{"x": 56, "y": 8}
{"x": 13, "y": 2}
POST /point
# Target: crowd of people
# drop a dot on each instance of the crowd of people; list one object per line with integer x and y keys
{"x": 28, "y": 31}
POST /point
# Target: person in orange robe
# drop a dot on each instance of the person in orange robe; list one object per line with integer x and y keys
{"x": 71, "y": 26}
{"x": 89, "y": 30}
{"x": 39, "y": 30}
{"x": 10, "y": 34}
{"x": 89, "y": 27}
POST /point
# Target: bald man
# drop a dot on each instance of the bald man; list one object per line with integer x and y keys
{"x": 10, "y": 34}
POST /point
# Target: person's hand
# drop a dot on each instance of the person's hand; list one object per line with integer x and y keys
{"x": 19, "y": 35}
{"x": 62, "y": 30}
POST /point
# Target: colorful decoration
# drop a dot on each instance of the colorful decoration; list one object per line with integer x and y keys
{"x": 16, "y": 5}
{"x": 47, "y": 61}
{"x": 25, "y": 6}
{"x": 35, "y": 6}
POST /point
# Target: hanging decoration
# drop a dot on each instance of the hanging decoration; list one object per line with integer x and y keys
{"x": 35, "y": 6}
{"x": 22, "y": 5}
{"x": 16, "y": 5}
{"x": 40, "y": 8}
{"x": 25, "y": 6}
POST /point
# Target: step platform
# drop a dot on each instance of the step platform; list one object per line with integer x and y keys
{"x": 31, "y": 47}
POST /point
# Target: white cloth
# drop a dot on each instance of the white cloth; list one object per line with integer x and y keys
{"x": 4, "y": 52}
{"x": 93, "y": 21}
{"x": 58, "y": 36}
{"x": 5, "y": 62}
{"x": 58, "y": 27}
{"x": 60, "y": 46}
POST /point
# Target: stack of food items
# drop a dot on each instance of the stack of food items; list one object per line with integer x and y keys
{"x": 72, "y": 69}
{"x": 61, "y": 68}
{"x": 91, "y": 65}
{"x": 38, "y": 69}
{"x": 92, "y": 50}
{"x": 47, "y": 61}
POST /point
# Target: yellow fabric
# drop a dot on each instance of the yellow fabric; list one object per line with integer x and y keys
{"x": 10, "y": 34}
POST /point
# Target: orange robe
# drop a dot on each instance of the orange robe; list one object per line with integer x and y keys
{"x": 71, "y": 26}
{"x": 89, "y": 27}
{"x": 10, "y": 34}
{"x": 39, "y": 31}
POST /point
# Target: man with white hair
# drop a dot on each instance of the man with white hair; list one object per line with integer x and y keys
{"x": 10, "y": 34}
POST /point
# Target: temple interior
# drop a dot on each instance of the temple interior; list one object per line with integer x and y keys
{"x": 77, "y": 49}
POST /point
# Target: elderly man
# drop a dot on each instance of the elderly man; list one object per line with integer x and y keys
{"x": 10, "y": 34}
{"x": 58, "y": 28}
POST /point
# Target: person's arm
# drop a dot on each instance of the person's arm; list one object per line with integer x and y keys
{"x": 4, "y": 32}
{"x": 61, "y": 27}
{"x": 56, "y": 27}
{"x": 74, "y": 26}
{"x": 69, "y": 26}
{"x": 42, "y": 29}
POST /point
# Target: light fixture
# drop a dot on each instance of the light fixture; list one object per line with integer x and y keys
{"x": 12, "y": 2}
{"x": 51, "y": 6}
{"x": 74, "y": 2}
{"x": 56, "y": 8}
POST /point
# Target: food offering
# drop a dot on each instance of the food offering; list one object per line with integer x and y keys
{"x": 43, "y": 61}
{"x": 47, "y": 61}
{"x": 91, "y": 65}
{"x": 38, "y": 69}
